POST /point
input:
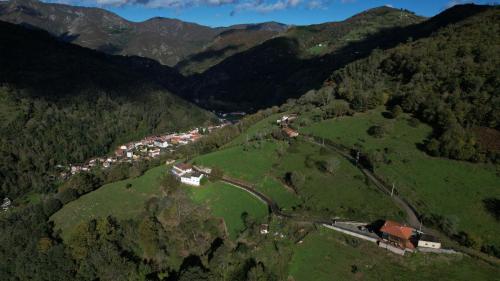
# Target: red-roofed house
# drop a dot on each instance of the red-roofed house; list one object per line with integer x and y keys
{"x": 398, "y": 234}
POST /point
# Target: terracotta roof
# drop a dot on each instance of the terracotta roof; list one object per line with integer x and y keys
{"x": 289, "y": 131}
{"x": 395, "y": 229}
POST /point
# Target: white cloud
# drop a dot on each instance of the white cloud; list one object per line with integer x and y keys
{"x": 266, "y": 7}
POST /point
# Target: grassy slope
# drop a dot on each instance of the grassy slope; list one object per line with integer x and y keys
{"x": 229, "y": 203}
{"x": 325, "y": 255}
{"x": 111, "y": 199}
{"x": 451, "y": 188}
{"x": 252, "y": 166}
{"x": 116, "y": 200}
{"x": 343, "y": 194}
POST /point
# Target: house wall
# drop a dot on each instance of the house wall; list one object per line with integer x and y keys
{"x": 429, "y": 244}
{"x": 191, "y": 181}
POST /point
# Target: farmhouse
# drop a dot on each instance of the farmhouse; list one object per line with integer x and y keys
{"x": 193, "y": 178}
{"x": 181, "y": 169}
{"x": 428, "y": 241}
{"x": 290, "y": 132}
{"x": 398, "y": 235}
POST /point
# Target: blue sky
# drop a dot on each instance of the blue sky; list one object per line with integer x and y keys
{"x": 228, "y": 12}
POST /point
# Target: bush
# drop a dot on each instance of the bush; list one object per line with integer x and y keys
{"x": 128, "y": 186}
{"x": 377, "y": 131}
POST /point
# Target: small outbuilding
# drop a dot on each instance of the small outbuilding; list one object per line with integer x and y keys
{"x": 428, "y": 241}
{"x": 6, "y": 204}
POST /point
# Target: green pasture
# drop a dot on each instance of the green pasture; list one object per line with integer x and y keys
{"x": 326, "y": 255}
{"x": 452, "y": 189}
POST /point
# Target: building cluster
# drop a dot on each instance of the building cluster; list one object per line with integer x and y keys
{"x": 284, "y": 123}
{"x": 189, "y": 174}
{"x": 147, "y": 148}
{"x": 401, "y": 238}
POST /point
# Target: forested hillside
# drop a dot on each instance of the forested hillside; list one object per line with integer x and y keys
{"x": 302, "y": 58}
{"x": 449, "y": 80}
{"x": 62, "y": 104}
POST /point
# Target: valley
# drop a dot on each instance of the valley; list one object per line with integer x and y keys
{"x": 359, "y": 149}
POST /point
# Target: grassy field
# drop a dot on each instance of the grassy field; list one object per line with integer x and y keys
{"x": 229, "y": 203}
{"x": 326, "y": 255}
{"x": 453, "y": 189}
{"x": 111, "y": 199}
{"x": 344, "y": 193}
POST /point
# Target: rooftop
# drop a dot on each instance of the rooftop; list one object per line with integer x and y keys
{"x": 396, "y": 229}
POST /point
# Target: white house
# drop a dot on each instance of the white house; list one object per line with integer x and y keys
{"x": 192, "y": 178}
{"x": 161, "y": 143}
{"x": 181, "y": 169}
{"x": 428, "y": 241}
{"x": 130, "y": 154}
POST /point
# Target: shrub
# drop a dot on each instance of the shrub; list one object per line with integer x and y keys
{"x": 376, "y": 131}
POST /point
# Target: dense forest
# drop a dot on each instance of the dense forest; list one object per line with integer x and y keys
{"x": 63, "y": 104}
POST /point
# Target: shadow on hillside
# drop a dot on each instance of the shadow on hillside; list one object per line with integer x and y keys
{"x": 272, "y": 72}
{"x": 206, "y": 55}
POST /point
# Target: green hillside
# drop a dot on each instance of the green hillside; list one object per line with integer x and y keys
{"x": 450, "y": 194}
{"x": 63, "y": 104}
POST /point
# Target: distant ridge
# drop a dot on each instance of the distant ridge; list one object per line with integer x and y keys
{"x": 163, "y": 39}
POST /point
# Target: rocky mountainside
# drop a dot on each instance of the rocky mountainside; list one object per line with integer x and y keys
{"x": 165, "y": 40}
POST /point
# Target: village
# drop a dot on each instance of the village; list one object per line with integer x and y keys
{"x": 147, "y": 148}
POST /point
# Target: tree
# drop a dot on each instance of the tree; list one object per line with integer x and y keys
{"x": 296, "y": 179}
{"x": 332, "y": 165}
{"x": 396, "y": 111}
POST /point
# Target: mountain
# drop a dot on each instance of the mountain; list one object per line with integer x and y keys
{"x": 235, "y": 39}
{"x": 61, "y": 103}
{"x": 289, "y": 64}
{"x": 449, "y": 80}
{"x": 166, "y": 40}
